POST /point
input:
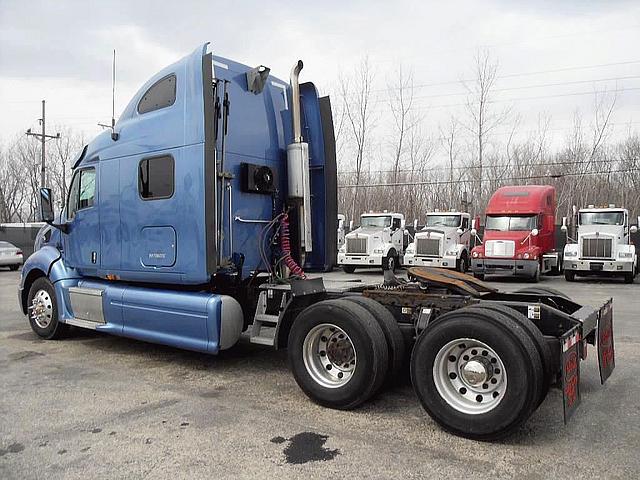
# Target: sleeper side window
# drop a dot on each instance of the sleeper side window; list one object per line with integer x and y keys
{"x": 161, "y": 94}
{"x": 156, "y": 177}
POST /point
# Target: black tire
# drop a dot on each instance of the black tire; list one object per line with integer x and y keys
{"x": 536, "y": 336}
{"x": 462, "y": 264}
{"x": 390, "y": 262}
{"x": 13, "y": 268}
{"x": 543, "y": 291}
{"x": 348, "y": 268}
{"x": 368, "y": 342}
{"x": 392, "y": 333}
{"x": 479, "y": 276}
{"x": 628, "y": 277}
{"x": 535, "y": 278}
{"x": 511, "y": 343}
{"x": 55, "y": 329}
{"x": 569, "y": 275}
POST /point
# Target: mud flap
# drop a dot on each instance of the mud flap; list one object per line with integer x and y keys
{"x": 571, "y": 371}
{"x": 606, "y": 352}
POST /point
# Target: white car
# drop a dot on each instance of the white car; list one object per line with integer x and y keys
{"x": 10, "y": 256}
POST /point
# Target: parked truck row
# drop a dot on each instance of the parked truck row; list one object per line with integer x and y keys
{"x": 202, "y": 215}
{"x": 519, "y": 239}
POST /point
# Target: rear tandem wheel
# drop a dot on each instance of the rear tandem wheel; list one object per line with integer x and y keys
{"x": 477, "y": 373}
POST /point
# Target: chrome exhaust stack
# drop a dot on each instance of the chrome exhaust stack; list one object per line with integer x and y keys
{"x": 298, "y": 165}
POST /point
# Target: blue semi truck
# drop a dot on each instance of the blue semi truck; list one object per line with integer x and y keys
{"x": 197, "y": 218}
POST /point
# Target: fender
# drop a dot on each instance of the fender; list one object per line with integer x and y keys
{"x": 46, "y": 262}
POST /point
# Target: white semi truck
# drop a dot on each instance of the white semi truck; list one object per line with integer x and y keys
{"x": 443, "y": 242}
{"x": 378, "y": 242}
{"x": 602, "y": 244}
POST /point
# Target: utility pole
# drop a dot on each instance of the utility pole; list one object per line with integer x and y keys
{"x": 43, "y": 138}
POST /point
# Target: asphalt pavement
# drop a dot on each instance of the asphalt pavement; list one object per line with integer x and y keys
{"x": 96, "y": 406}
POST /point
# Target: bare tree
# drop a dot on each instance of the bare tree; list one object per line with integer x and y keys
{"x": 356, "y": 95}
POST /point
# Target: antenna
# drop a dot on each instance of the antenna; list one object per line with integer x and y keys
{"x": 113, "y": 91}
{"x": 114, "y": 135}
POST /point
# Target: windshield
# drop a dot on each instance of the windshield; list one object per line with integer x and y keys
{"x": 602, "y": 218}
{"x": 521, "y": 223}
{"x": 379, "y": 222}
{"x": 443, "y": 221}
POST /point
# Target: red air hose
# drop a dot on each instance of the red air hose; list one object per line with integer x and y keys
{"x": 285, "y": 246}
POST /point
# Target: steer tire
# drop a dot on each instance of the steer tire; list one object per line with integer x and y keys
{"x": 13, "y": 268}
{"x": 518, "y": 354}
{"x": 367, "y": 339}
{"x": 348, "y": 268}
{"x": 628, "y": 277}
{"x": 479, "y": 276}
{"x": 392, "y": 333}
{"x": 390, "y": 262}
{"x": 462, "y": 264}
{"x": 54, "y": 329}
{"x": 536, "y": 336}
{"x": 569, "y": 275}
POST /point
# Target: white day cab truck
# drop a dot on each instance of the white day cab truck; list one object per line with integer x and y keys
{"x": 379, "y": 242}
{"x": 443, "y": 242}
{"x": 602, "y": 244}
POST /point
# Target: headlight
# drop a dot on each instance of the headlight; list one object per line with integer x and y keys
{"x": 526, "y": 256}
{"x": 378, "y": 250}
{"x": 451, "y": 253}
{"x": 625, "y": 254}
{"x": 474, "y": 254}
{"x": 571, "y": 254}
{"x": 410, "y": 249}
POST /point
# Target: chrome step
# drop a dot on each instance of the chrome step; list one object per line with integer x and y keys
{"x": 265, "y": 326}
{"x": 78, "y": 322}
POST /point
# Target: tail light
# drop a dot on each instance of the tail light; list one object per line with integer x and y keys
{"x": 19, "y": 252}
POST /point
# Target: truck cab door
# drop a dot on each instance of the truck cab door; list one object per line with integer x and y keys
{"x": 397, "y": 234}
{"x": 82, "y": 237}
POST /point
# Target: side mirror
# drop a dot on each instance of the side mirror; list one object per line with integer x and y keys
{"x": 633, "y": 229}
{"x": 534, "y": 232}
{"x": 403, "y": 223}
{"x": 350, "y": 225}
{"x": 474, "y": 232}
{"x": 459, "y": 231}
{"x": 46, "y": 205}
{"x": 340, "y": 224}
{"x": 564, "y": 228}
{"x": 473, "y": 224}
{"x": 415, "y": 225}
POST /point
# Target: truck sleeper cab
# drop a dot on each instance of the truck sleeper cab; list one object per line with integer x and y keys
{"x": 443, "y": 242}
{"x": 379, "y": 241}
{"x": 603, "y": 245}
{"x": 184, "y": 227}
{"x": 519, "y": 234}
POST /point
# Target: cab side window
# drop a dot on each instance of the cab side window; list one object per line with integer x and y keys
{"x": 396, "y": 224}
{"x": 82, "y": 191}
{"x": 465, "y": 223}
{"x": 161, "y": 94}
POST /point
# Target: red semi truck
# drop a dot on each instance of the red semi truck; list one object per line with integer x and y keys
{"x": 519, "y": 234}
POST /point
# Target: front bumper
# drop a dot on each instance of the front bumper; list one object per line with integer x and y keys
{"x": 594, "y": 267}
{"x": 412, "y": 260}
{"x": 11, "y": 260}
{"x": 507, "y": 266}
{"x": 374, "y": 260}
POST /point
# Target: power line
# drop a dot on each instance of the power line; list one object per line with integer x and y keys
{"x": 520, "y": 74}
{"x": 457, "y": 182}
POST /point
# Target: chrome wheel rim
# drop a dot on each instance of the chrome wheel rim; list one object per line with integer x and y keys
{"x": 42, "y": 309}
{"x": 329, "y": 355}
{"x": 469, "y": 376}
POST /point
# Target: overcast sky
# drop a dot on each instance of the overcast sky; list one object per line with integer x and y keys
{"x": 61, "y": 51}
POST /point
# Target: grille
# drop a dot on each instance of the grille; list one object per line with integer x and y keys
{"x": 428, "y": 246}
{"x": 596, "y": 247}
{"x": 500, "y": 248}
{"x": 356, "y": 245}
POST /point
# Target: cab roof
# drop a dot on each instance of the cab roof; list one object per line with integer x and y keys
{"x": 523, "y": 199}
